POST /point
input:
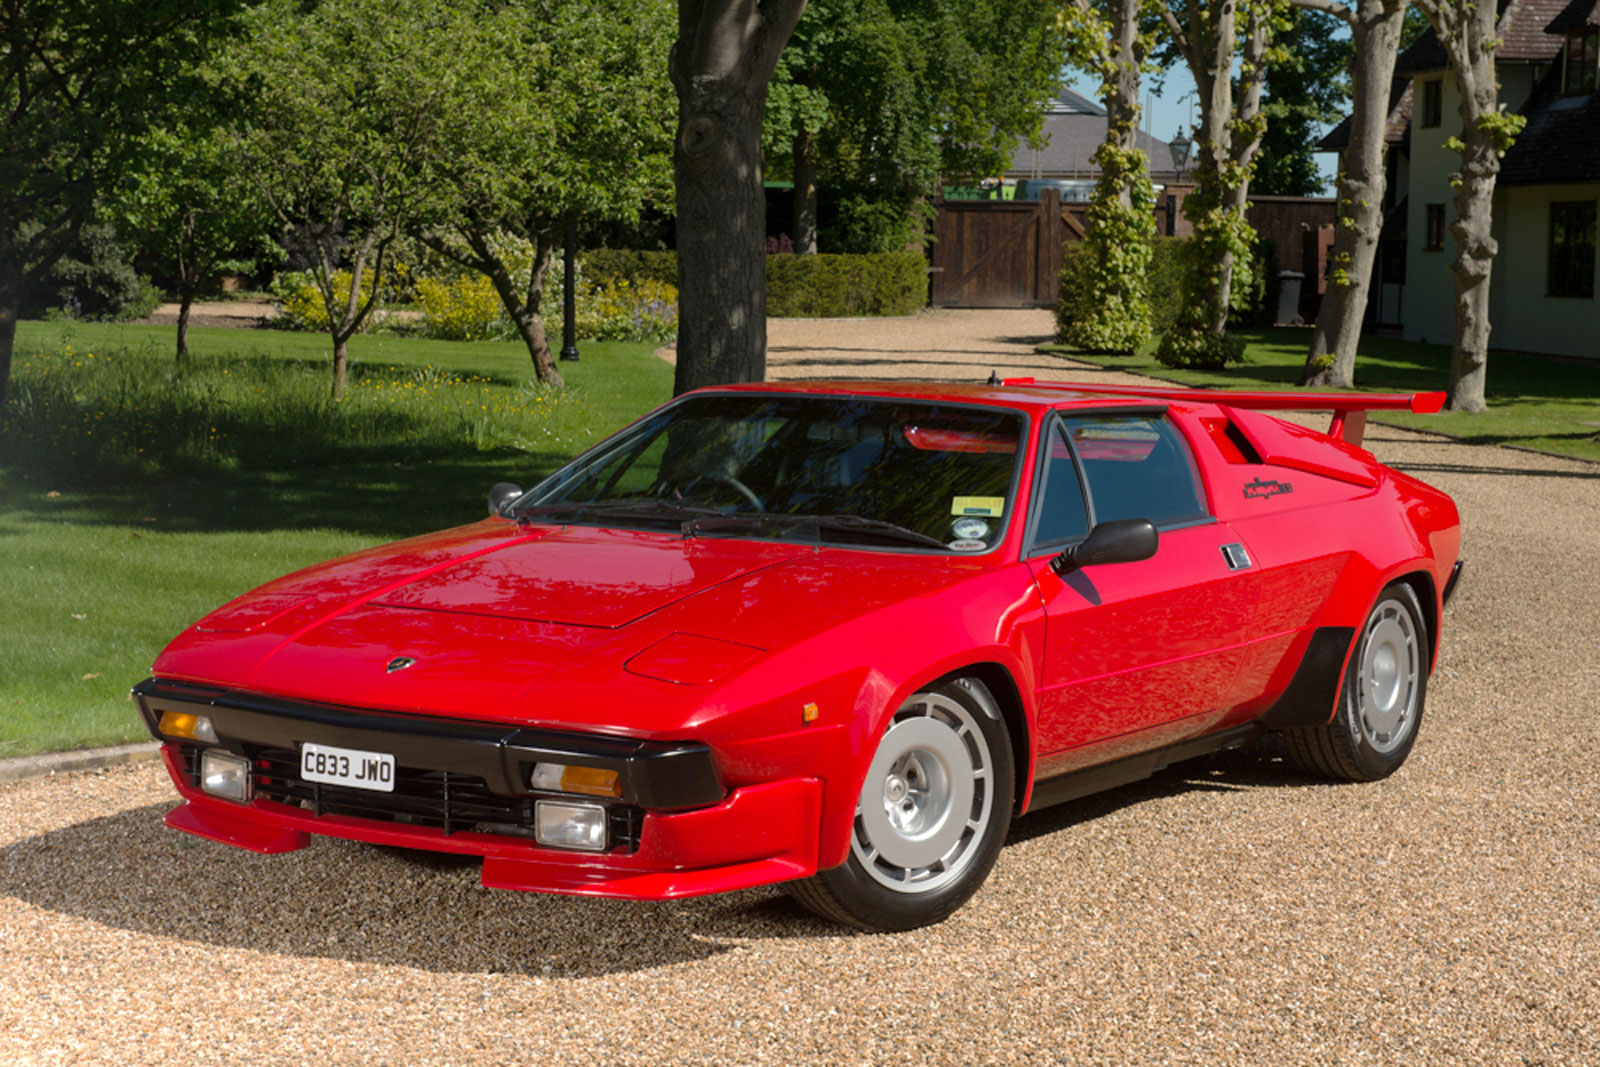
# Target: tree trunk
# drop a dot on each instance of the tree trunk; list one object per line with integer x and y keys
{"x": 341, "y": 361}
{"x": 1212, "y": 36}
{"x": 1375, "y": 29}
{"x": 805, "y": 193}
{"x": 185, "y": 302}
{"x": 526, "y": 310}
{"x": 721, "y": 65}
{"x": 1475, "y": 247}
{"x": 8, "y": 337}
{"x": 1470, "y": 35}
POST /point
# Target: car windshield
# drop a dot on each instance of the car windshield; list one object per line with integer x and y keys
{"x": 818, "y": 469}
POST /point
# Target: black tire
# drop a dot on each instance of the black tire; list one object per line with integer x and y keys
{"x": 1380, "y": 700}
{"x": 945, "y": 756}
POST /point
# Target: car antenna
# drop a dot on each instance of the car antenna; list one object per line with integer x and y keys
{"x": 994, "y": 379}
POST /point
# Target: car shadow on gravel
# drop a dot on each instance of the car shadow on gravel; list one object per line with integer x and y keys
{"x": 349, "y": 901}
{"x": 1258, "y": 765}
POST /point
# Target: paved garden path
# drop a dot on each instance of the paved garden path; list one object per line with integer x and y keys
{"x": 1228, "y": 911}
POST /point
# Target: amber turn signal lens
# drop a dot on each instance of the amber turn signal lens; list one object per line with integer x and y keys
{"x": 189, "y": 727}
{"x": 566, "y": 778}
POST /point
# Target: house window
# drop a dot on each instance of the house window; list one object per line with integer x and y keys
{"x": 1572, "y": 227}
{"x": 1435, "y": 235}
{"x": 1432, "y": 101}
{"x": 1582, "y": 58}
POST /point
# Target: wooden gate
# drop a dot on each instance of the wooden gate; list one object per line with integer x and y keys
{"x": 999, "y": 253}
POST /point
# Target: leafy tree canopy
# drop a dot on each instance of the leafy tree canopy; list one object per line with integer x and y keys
{"x": 1306, "y": 88}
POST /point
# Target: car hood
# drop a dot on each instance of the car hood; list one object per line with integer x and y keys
{"x": 567, "y": 627}
{"x": 479, "y": 610}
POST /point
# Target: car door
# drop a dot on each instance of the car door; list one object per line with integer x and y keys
{"x": 1136, "y": 654}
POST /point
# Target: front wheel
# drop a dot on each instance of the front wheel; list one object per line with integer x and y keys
{"x": 931, "y": 817}
{"x": 1380, "y": 702}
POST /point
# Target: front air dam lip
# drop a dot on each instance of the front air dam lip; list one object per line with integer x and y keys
{"x": 759, "y": 835}
{"x": 657, "y": 775}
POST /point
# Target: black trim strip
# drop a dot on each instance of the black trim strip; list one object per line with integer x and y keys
{"x": 665, "y": 776}
{"x": 1308, "y": 700}
{"x": 1076, "y": 784}
{"x": 1455, "y": 576}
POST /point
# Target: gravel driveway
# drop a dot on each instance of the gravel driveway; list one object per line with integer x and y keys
{"x": 1226, "y": 911}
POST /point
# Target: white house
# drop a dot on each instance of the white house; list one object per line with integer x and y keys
{"x": 1542, "y": 291}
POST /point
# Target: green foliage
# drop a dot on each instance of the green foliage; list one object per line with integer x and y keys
{"x": 890, "y": 96}
{"x": 461, "y": 308}
{"x": 1306, "y": 89}
{"x": 635, "y": 266}
{"x": 94, "y": 280}
{"x": 302, "y": 305}
{"x": 890, "y": 283}
{"x": 81, "y": 82}
{"x": 830, "y": 286}
{"x": 1109, "y": 309}
{"x": 617, "y": 309}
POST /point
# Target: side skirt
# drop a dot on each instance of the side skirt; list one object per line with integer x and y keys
{"x": 1077, "y": 784}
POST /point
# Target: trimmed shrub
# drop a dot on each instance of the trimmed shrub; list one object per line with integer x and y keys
{"x": 827, "y": 286}
{"x": 822, "y": 286}
{"x": 635, "y": 267}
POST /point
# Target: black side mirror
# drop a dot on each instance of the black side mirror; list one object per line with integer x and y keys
{"x": 1121, "y": 541}
{"x": 502, "y": 494}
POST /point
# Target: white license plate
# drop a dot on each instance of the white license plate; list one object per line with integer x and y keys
{"x": 347, "y": 766}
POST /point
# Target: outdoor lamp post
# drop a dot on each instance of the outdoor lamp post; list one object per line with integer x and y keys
{"x": 1180, "y": 147}
{"x": 569, "y": 295}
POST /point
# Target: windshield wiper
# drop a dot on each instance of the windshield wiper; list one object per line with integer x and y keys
{"x": 846, "y": 523}
{"x": 651, "y": 509}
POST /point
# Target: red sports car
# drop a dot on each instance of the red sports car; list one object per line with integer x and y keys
{"x": 833, "y": 634}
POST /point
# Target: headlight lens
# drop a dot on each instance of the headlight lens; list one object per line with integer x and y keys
{"x": 562, "y": 825}
{"x": 225, "y": 775}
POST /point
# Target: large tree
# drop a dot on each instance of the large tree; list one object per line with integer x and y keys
{"x": 347, "y": 97}
{"x": 1207, "y": 34}
{"x": 721, "y": 65}
{"x": 80, "y": 82}
{"x": 893, "y": 95}
{"x": 1306, "y": 87}
{"x": 1117, "y": 241}
{"x": 562, "y": 115}
{"x": 1375, "y": 28}
{"x": 191, "y": 210}
{"x": 1469, "y": 32}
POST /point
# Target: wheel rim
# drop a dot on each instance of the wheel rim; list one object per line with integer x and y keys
{"x": 927, "y": 799}
{"x": 1389, "y": 681}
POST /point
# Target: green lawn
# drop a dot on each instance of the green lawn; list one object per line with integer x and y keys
{"x": 1547, "y": 404}
{"x": 134, "y": 497}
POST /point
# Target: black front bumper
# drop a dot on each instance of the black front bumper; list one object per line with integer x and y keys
{"x": 661, "y": 776}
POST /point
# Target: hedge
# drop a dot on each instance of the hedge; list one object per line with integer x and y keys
{"x": 821, "y": 286}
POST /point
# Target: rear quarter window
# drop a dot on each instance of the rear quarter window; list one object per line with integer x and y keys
{"x": 1136, "y": 467}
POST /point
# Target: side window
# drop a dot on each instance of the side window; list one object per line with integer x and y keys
{"x": 1062, "y": 516}
{"x": 1137, "y": 467}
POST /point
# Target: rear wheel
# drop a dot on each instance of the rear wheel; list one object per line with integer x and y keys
{"x": 1380, "y": 702}
{"x": 931, "y": 816}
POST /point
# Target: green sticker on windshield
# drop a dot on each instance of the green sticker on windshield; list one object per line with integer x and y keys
{"x": 988, "y": 506}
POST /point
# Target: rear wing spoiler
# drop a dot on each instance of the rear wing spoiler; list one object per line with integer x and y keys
{"x": 1349, "y": 409}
